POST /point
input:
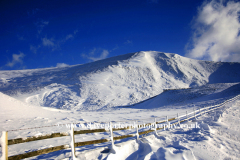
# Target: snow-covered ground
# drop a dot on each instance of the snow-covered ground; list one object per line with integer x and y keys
{"x": 125, "y": 89}
{"x": 218, "y": 137}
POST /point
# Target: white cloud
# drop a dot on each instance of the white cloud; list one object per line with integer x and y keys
{"x": 69, "y": 36}
{"x": 53, "y": 43}
{"x": 62, "y": 65}
{"x": 33, "y": 49}
{"x": 47, "y": 42}
{"x": 91, "y": 54}
{"x": 103, "y": 55}
{"x": 16, "y": 58}
{"x": 216, "y": 32}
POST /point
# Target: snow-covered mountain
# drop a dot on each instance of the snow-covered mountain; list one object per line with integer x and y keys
{"x": 116, "y": 81}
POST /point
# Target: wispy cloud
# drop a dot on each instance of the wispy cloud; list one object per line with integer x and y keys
{"x": 69, "y": 36}
{"x": 128, "y": 42}
{"x": 16, "y": 58}
{"x": 75, "y": 31}
{"x": 92, "y": 54}
{"x": 40, "y": 25}
{"x": 21, "y": 38}
{"x": 99, "y": 53}
{"x": 61, "y": 65}
{"x": 47, "y": 42}
{"x": 34, "y": 48}
{"x": 103, "y": 55}
{"x": 216, "y": 32}
{"x": 52, "y": 43}
{"x": 32, "y": 12}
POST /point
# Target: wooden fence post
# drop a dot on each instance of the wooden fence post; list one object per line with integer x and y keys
{"x": 155, "y": 125}
{"x": 111, "y": 132}
{"x": 178, "y": 118}
{"x": 137, "y": 134}
{"x": 194, "y": 113}
{"x": 4, "y": 145}
{"x": 72, "y": 142}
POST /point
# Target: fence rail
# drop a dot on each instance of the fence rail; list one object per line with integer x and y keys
{"x": 175, "y": 120}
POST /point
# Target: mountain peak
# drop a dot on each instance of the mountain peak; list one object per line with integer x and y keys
{"x": 115, "y": 81}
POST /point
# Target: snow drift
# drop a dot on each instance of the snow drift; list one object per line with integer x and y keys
{"x": 116, "y": 81}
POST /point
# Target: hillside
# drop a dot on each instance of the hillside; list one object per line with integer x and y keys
{"x": 198, "y": 96}
{"x": 116, "y": 81}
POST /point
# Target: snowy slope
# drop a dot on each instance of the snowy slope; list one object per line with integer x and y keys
{"x": 192, "y": 96}
{"x": 221, "y": 141}
{"x": 116, "y": 81}
{"x": 217, "y": 138}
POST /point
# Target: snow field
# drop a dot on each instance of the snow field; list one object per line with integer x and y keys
{"x": 173, "y": 150}
{"x": 208, "y": 142}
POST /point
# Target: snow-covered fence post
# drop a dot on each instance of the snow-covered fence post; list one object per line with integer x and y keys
{"x": 194, "y": 113}
{"x": 187, "y": 115}
{"x": 166, "y": 122}
{"x": 72, "y": 142}
{"x": 178, "y": 118}
{"x": 111, "y": 133}
{"x": 137, "y": 134}
{"x": 4, "y": 144}
{"x": 155, "y": 125}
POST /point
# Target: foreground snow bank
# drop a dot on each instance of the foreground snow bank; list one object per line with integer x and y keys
{"x": 217, "y": 138}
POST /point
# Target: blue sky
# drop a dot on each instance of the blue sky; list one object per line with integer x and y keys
{"x": 49, "y": 33}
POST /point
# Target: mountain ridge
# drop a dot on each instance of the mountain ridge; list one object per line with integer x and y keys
{"x": 115, "y": 81}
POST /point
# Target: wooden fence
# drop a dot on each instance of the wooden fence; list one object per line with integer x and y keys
{"x": 175, "y": 120}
